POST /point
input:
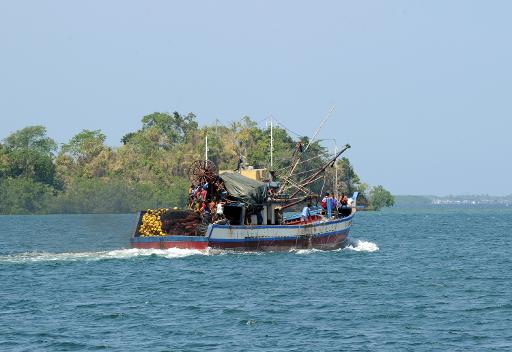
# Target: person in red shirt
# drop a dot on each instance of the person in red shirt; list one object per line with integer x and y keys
{"x": 324, "y": 201}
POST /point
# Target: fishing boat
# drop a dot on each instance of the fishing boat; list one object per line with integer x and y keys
{"x": 317, "y": 233}
{"x": 256, "y": 216}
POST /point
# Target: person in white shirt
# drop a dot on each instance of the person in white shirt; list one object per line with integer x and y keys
{"x": 306, "y": 214}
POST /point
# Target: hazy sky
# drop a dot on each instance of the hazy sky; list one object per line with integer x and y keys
{"x": 422, "y": 89}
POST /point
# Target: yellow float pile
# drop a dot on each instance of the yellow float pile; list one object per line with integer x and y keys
{"x": 151, "y": 223}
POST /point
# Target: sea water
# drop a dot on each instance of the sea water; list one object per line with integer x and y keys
{"x": 437, "y": 279}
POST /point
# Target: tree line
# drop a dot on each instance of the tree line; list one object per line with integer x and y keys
{"x": 150, "y": 168}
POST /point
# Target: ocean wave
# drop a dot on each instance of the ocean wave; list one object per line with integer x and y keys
{"x": 362, "y": 246}
{"x": 31, "y": 257}
{"x": 355, "y": 245}
{"x": 171, "y": 253}
{"x": 306, "y": 251}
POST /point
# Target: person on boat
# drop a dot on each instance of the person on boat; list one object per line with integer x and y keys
{"x": 278, "y": 215}
{"x": 206, "y": 214}
{"x": 204, "y": 194}
{"x": 248, "y": 217}
{"x": 298, "y": 149}
{"x": 197, "y": 207}
{"x": 339, "y": 205}
{"x": 329, "y": 205}
{"x": 344, "y": 200}
{"x": 192, "y": 196}
{"x": 220, "y": 210}
{"x": 259, "y": 216}
{"x": 334, "y": 202}
{"x": 197, "y": 193}
{"x": 213, "y": 207}
{"x": 306, "y": 214}
{"x": 324, "y": 201}
{"x": 270, "y": 194}
{"x": 239, "y": 165}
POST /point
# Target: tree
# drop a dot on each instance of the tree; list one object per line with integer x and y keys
{"x": 24, "y": 196}
{"x": 85, "y": 146}
{"x": 176, "y": 127}
{"x": 348, "y": 177}
{"x": 150, "y": 169}
{"x": 5, "y": 166}
{"x": 380, "y": 197}
{"x": 80, "y": 156}
{"x": 128, "y": 137}
{"x": 30, "y": 154}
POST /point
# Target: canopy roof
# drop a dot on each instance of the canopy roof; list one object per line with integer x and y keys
{"x": 244, "y": 189}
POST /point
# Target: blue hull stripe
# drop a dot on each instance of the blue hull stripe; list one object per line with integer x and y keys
{"x": 273, "y": 239}
{"x": 348, "y": 218}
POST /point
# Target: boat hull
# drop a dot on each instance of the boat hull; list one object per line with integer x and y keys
{"x": 324, "y": 235}
{"x": 166, "y": 242}
{"x": 333, "y": 241}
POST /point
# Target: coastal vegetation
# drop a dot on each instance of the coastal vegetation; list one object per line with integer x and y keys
{"x": 149, "y": 169}
{"x": 380, "y": 198}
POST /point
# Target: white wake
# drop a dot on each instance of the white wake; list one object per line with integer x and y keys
{"x": 362, "y": 246}
{"x": 171, "y": 253}
{"x": 30, "y": 257}
{"x": 356, "y": 245}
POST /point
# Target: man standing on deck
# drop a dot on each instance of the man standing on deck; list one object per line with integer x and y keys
{"x": 239, "y": 165}
{"x": 306, "y": 214}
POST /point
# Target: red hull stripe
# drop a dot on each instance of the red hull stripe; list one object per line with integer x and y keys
{"x": 169, "y": 239}
{"x": 165, "y": 242}
{"x": 169, "y": 244}
{"x": 332, "y": 242}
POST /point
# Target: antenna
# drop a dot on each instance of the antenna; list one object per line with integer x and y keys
{"x": 217, "y": 126}
{"x": 271, "y": 144}
{"x": 206, "y": 148}
{"x": 336, "y": 171}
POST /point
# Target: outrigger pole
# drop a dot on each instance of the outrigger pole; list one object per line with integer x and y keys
{"x": 314, "y": 177}
{"x": 296, "y": 161}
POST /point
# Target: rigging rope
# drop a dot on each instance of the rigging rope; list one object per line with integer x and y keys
{"x": 305, "y": 161}
{"x": 323, "y": 185}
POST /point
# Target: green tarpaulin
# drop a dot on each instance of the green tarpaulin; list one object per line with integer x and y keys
{"x": 244, "y": 189}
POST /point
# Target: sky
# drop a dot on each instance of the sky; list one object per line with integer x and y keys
{"x": 421, "y": 89}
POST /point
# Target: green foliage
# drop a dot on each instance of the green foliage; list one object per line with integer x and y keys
{"x": 149, "y": 170}
{"x": 380, "y": 197}
{"x": 24, "y": 196}
{"x": 5, "y": 164}
{"x": 29, "y": 154}
{"x": 86, "y": 195}
{"x": 31, "y": 138}
{"x": 349, "y": 179}
{"x": 172, "y": 129}
{"x": 84, "y": 156}
{"x": 85, "y": 146}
